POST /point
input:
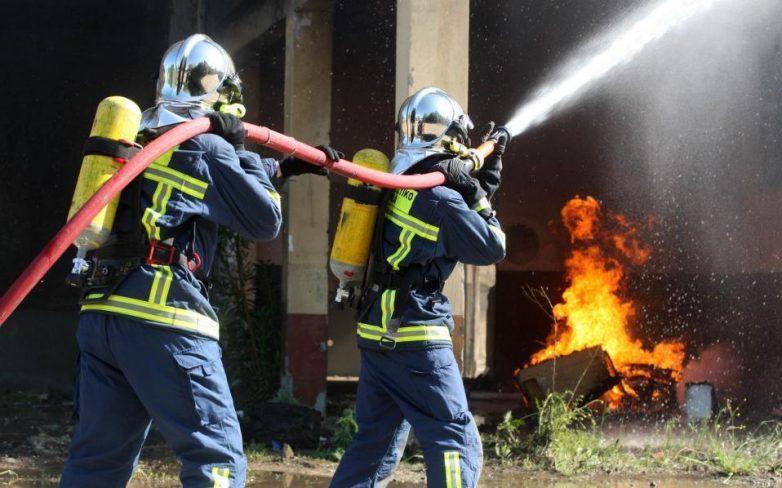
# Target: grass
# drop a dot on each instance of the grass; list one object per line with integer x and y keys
{"x": 568, "y": 439}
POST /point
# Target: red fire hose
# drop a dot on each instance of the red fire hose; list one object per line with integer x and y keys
{"x": 267, "y": 137}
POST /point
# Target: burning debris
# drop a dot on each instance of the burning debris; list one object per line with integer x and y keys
{"x": 593, "y": 318}
{"x": 588, "y": 374}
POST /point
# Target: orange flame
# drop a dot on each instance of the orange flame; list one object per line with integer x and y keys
{"x": 592, "y": 312}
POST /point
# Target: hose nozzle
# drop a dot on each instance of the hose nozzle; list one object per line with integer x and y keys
{"x": 499, "y": 132}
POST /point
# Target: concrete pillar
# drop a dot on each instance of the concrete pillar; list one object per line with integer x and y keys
{"x": 305, "y": 276}
{"x": 432, "y": 46}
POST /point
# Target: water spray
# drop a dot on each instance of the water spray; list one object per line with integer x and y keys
{"x": 619, "y": 46}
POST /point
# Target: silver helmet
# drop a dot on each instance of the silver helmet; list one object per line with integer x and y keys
{"x": 427, "y": 121}
{"x": 195, "y": 75}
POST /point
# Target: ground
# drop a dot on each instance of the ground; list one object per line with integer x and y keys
{"x": 34, "y": 433}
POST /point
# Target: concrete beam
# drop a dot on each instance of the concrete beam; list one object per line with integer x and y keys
{"x": 305, "y": 276}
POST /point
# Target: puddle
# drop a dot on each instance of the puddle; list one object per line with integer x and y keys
{"x": 288, "y": 480}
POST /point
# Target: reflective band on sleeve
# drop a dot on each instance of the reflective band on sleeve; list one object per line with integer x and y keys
{"x": 453, "y": 469}
{"x": 499, "y": 233}
{"x": 222, "y": 477}
{"x": 179, "y": 318}
{"x": 405, "y": 240}
{"x": 410, "y": 333}
{"x": 275, "y": 197}
{"x": 482, "y": 204}
{"x": 419, "y": 227}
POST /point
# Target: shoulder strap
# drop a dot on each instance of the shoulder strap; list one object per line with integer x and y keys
{"x": 376, "y": 261}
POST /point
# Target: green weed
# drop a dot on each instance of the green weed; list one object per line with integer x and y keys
{"x": 346, "y": 429}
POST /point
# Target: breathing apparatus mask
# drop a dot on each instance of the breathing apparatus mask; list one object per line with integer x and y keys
{"x": 429, "y": 122}
{"x": 196, "y": 76}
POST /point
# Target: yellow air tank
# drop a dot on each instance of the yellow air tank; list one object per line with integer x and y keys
{"x": 117, "y": 118}
{"x": 353, "y": 239}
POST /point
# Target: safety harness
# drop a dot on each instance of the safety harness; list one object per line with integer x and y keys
{"x": 381, "y": 276}
{"x": 113, "y": 262}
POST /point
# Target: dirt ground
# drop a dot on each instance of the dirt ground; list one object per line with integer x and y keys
{"x": 34, "y": 437}
{"x": 268, "y": 471}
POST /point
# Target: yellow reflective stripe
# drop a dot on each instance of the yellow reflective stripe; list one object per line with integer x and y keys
{"x": 405, "y": 239}
{"x": 387, "y": 301}
{"x": 155, "y": 285}
{"x": 151, "y": 214}
{"x": 161, "y": 284}
{"x": 221, "y": 477}
{"x": 163, "y": 314}
{"x": 448, "y": 473}
{"x": 167, "y": 280}
{"x": 164, "y": 159}
{"x": 453, "y": 469}
{"x": 182, "y": 182}
{"x": 458, "y": 465}
{"x": 413, "y": 224}
{"x": 499, "y": 233}
{"x": 482, "y": 204}
{"x": 403, "y": 200}
{"x": 275, "y": 197}
{"x": 410, "y": 333}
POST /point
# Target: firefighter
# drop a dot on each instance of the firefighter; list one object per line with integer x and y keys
{"x": 149, "y": 341}
{"x": 409, "y": 376}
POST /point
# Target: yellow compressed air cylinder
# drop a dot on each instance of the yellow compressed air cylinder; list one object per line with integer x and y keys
{"x": 117, "y": 118}
{"x": 353, "y": 239}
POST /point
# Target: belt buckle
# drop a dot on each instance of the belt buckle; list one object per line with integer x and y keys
{"x": 154, "y": 246}
{"x": 387, "y": 342}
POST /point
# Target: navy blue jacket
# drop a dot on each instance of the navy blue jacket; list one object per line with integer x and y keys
{"x": 433, "y": 230}
{"x": 185, "y": 195}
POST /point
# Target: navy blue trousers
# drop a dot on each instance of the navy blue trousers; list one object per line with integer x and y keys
{"x": 422, "y": 389}
{"x": 131, "y": 374}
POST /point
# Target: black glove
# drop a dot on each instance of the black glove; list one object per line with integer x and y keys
{"x": 489, "y": 176}
{"x": 487, "y": 130}
{"x": 229, "y": 127}
{"x": 501, "y": 136}
{"x": 292, "y": 166}
{"x": 457, "y": 177}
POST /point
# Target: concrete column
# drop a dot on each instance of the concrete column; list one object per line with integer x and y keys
{"x": 305, "y": 275}
{"x": 432, "y": 46}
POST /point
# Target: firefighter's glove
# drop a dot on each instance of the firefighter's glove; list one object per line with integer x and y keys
{"x": 291, "y": 166}
{"x": 457, "y": 177}
{"x": 229, "y": 127}
{"x": 490, "y": 174}
{"x": 501, "y": 136}
{"x": 331, "y": 154}
{"x": 487, "y": 130}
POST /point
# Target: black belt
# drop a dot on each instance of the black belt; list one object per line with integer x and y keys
{"x": 156, "y": 253}
{"x": 397, "y": 280}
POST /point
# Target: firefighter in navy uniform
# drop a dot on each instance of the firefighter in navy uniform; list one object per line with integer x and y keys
{"x": 149, "y": 342}
{"x": 409, "y": 375}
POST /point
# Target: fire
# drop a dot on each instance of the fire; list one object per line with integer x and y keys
{"x": 593, "y": 311}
